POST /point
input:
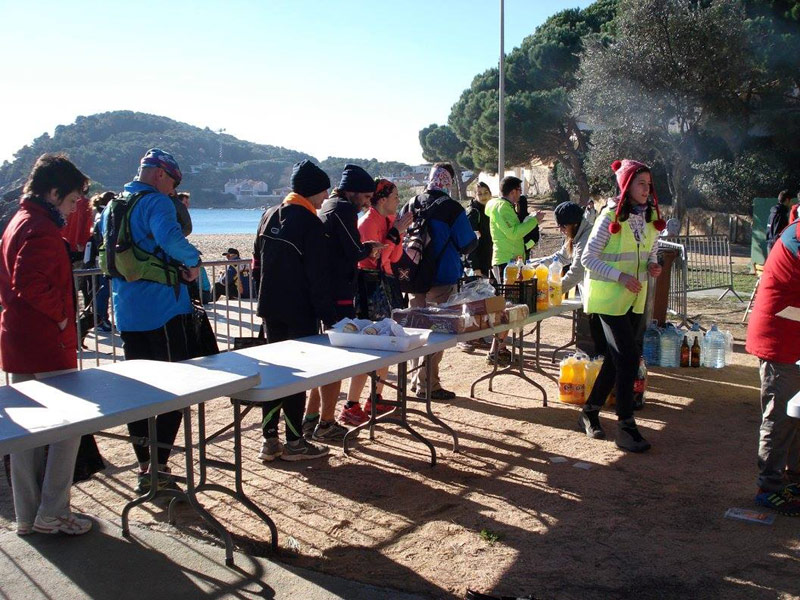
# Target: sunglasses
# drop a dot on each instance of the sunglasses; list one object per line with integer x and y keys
{"x": 175, "y": 181}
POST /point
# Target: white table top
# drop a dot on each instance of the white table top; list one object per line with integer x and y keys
{"x": 35, "y": 413}
{"x": 295, "y": 366}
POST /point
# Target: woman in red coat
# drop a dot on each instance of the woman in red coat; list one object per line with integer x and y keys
{"x": 38, "y": 334}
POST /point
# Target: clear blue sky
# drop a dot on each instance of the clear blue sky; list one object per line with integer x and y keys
{"x": 353, "y": 78}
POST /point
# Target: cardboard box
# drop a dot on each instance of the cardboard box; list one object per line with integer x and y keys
{"x": 482, "y": 307}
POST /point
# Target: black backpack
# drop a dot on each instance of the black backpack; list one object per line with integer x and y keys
{"x": 416, "y": 269}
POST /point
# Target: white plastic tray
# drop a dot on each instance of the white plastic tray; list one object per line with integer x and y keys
{"x": 415, "y": 339}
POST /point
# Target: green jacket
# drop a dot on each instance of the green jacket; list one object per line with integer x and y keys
{"x": 507, "y": 232}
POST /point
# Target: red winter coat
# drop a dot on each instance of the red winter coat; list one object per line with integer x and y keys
{"x": 770, "y": 336}
{"x": 36, "y": 294}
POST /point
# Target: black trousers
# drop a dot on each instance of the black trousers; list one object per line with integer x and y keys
{"x": 293, "y": 406}
{"x": 621, "y": 362}
{"x": 169, "y": 343}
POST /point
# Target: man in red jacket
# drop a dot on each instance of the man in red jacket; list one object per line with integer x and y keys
{"x": 774, "y": 337}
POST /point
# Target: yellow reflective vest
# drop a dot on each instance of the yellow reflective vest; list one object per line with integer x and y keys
{"x": 624, "y": 253}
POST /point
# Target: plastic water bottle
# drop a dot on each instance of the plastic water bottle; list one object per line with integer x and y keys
{"x": 728, "y": 347}
{"x": 669, "y": 346}
{"x": 651, "y": 350}
{"x": 715, "y": 348}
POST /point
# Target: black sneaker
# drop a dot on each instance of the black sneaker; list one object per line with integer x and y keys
{"x": 440, "y": 394}
{"x": 589, "y": 423}
{"x": 629, "y": 438}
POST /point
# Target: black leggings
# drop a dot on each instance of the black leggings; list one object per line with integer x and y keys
{"x": 170, "y": 344}
{"x": 293, "y": 406}
{"x": 620, "y": 365}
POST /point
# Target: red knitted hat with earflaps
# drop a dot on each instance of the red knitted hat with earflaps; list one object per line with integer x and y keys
{"x": 625, "y": 170}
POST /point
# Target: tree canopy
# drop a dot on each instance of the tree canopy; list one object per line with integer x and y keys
{"x": 540, "y": 74}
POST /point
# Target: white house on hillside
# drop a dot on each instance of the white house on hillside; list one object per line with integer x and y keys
{"x": 246, "y": 189}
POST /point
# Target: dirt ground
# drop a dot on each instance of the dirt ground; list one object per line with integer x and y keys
{"x": 501, "y": 515}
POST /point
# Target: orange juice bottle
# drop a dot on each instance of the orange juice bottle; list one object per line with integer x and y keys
{"x": 592, "y": 369}
{"x": 542, "y": 288}
{"x": 579, "y": 382}
{"x": 528, "y": 271}
{"x": 565, "y": 376}
{"x": 512, "y": 272}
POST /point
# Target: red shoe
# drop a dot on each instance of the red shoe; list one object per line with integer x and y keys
{"x": 382, "y": 408}
{"x": 353, "y": 415}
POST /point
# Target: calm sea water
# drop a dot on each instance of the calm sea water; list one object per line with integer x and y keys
{"x": 225, "y": 220}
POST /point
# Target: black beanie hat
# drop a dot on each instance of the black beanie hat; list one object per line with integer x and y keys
{"x": 568, "y": 213}
{"x": 356, "y": 179}
{"x": 308, "y": 179}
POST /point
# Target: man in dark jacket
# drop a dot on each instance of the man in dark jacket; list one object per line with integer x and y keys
{"x": 778, "y": 219}
{"x": 451, "y": 236}
{"x": 481, "y": 258}
{"x": 339, "y": 216}
{"x": 294, "y": 294}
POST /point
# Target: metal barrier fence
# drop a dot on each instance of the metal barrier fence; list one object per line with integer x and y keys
{"x": 230, "y": 318}
{"x": 708, "y": 263}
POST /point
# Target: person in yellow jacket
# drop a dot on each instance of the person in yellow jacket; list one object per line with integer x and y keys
{"x": 619, "y": 256}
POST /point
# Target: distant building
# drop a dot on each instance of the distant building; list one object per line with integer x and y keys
{"x": 247, "y": 189}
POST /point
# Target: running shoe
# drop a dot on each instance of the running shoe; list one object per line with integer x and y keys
{"x": 70, "y": 524}
{"x": 353, "y": 415}
{"x": 302, "y": 449}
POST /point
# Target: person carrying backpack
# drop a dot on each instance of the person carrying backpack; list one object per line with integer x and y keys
{"x": 449, "y": 236}
{"x": 151, "y": 301}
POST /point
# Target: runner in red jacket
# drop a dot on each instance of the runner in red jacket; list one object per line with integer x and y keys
{"x": 773, "y": 335}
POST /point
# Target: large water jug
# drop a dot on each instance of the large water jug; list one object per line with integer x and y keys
{"x": 669, "y": 346}
{"x": 715, "y": 342}
{"x": 651, "y": 350}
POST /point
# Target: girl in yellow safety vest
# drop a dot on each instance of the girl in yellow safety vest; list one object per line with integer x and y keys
{"x": 618, "y": 257}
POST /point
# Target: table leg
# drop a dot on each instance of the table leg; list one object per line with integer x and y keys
{"x": 400, "y": 415}
{"x": 239, "y": 492}
{"x": 153, "y": 443}
{"x": 190, "y": 492}
{"x": 517, "y": 366}
{"x": 573, "y": 339}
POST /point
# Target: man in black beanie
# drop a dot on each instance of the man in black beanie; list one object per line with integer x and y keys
{"x": 294, "y": 295}
{"x": 339, "y": 216}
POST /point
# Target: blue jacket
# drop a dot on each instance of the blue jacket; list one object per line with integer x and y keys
{"x": 147, "y": 305}
{"x": 451, "y": 235}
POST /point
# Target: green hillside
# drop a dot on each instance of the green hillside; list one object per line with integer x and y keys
{"x": 108, "y": 146}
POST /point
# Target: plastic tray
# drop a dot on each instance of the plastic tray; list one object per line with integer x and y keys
{"x": 415, "y": 339}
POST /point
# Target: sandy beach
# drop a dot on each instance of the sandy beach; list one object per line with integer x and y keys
{"x": 212, "y": 245}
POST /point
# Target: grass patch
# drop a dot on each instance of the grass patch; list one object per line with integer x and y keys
{"x": 490, "y": 537}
